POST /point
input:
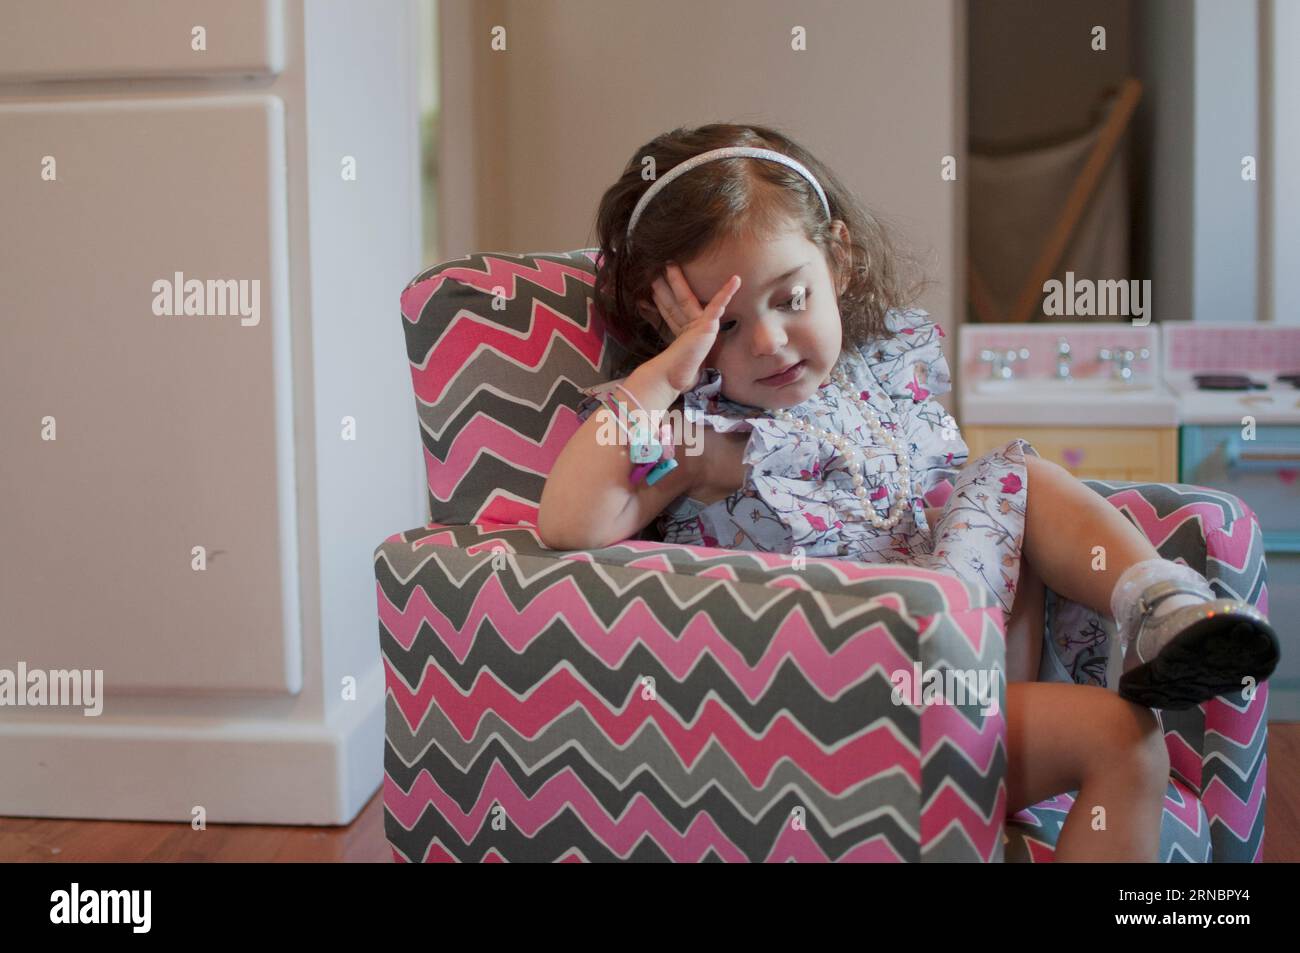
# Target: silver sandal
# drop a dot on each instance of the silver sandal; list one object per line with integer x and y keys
{"x": 1195, "y": 652}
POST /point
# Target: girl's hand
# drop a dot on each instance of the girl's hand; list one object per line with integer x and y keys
{"x": 695, "y": 328}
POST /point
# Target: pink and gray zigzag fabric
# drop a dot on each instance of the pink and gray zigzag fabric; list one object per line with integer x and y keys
{"x": 647, "y": 701}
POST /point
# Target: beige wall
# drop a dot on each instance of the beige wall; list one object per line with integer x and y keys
{"x": 531, "y": 142}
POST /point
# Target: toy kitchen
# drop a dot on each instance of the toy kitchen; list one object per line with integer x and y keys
{"x": 1205, "y": 404}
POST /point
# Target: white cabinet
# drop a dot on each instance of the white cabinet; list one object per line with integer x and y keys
{"x": 173, "y": 432}
{"x": 92, "y": 39}
{"x": 253, "y": 688}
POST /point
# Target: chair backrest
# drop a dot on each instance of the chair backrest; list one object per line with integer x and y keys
{"x": 500, "y": 346}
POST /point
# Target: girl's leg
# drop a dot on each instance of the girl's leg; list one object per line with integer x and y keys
{"x": 1065, "y": 521}
{"x": 1112, "y": 752}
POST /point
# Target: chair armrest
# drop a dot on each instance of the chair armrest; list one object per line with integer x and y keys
{"x": 651, "y": 689}
{"x": 1217, "y": 749}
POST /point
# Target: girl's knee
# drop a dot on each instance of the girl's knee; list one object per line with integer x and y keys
{"x": 1138, "y": 744}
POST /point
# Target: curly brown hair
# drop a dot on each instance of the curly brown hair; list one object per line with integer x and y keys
{"x": 732, "y": 198}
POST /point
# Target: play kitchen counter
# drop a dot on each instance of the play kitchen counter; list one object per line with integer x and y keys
{"x": 1239, "y": 410}
{"x": 1087, "y": 396}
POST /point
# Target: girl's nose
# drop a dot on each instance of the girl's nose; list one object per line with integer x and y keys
{"x": 769, "y": 337}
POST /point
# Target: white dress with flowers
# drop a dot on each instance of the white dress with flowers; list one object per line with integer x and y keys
{"x": 798, "y": 492}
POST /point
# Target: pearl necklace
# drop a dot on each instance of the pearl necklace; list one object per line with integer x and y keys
{"x": 901, "y": 500}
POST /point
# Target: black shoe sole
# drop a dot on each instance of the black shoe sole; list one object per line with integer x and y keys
{"x": 1209, "y": 658}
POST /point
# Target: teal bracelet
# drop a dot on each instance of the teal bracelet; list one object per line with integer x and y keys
{"x": 664, "y": 466}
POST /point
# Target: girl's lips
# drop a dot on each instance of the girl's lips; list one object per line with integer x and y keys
{"x": 785, "y": 377}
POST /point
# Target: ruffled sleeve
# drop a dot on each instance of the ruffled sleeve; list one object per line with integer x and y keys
{"x": 704, "y": 404}
{"x": 910, "y": 366}
{"x": 774, "y": 450}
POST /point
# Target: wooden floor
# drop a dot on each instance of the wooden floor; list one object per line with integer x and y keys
{"x": 38, "y": 838}
{"x": 43, "y": 839}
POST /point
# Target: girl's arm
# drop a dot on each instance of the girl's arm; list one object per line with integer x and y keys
{"x": 588, "y": 501}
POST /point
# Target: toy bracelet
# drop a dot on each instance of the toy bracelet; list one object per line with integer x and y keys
{"x": 651, "y": 458}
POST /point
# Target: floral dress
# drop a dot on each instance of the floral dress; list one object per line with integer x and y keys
{"x": 798, "y": 493}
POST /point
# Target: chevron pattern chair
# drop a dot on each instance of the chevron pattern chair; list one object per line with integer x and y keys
{"x": 647, "y": 701}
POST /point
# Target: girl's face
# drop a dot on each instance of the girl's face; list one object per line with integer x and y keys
{"x": 766, "y": 327}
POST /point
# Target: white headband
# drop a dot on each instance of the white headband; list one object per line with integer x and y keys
{"x": 683, "y": 167}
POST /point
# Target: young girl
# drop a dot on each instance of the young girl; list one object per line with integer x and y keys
{"x": 816, "y": 382}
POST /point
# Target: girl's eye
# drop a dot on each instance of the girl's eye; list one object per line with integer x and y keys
{"x": 789, "y": 305}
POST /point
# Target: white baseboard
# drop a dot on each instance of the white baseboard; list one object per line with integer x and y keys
{"x": 240, "y": 772}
